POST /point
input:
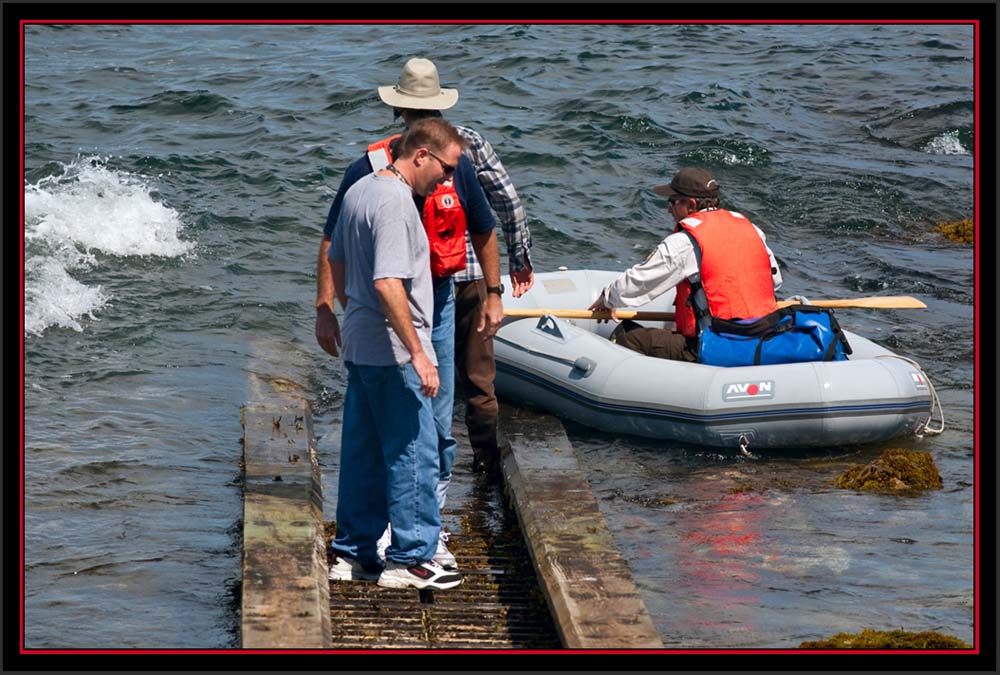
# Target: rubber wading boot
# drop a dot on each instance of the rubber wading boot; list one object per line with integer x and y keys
{"x": 485, "y": 449}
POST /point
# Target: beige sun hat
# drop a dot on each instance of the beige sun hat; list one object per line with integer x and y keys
{"x": 419, "y": 88}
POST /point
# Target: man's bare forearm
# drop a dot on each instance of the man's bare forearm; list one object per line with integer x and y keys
{"x": 392, "y": 297}
{"x": 327, "y": 326}
{"x": 325, "y": 285}
{"x": 337, "y": 273}
{"x": 485, "y": 246}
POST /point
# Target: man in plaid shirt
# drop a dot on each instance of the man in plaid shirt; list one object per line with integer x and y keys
{"x": 474, "y": 360}
{"x": 418, "y": 94}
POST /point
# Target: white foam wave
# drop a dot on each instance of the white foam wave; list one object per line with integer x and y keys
{"x": 94, "y": 207}
{"x": 69, "y": 218}
{"x": 946, "y": 144}
{"x": 54, "y": 298}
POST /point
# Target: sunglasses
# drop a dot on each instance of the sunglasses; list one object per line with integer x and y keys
{"x": 449, "y": 170}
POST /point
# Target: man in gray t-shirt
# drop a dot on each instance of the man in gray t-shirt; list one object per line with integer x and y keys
{"x": 386, "y": 240}
{"x": 389, "y": 460}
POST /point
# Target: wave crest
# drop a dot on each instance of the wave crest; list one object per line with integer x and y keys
{"x": 69, "y": 218}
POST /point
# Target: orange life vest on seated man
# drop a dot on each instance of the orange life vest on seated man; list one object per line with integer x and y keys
{"x": 443, "y": 217}
{"x": 734, "y": 266}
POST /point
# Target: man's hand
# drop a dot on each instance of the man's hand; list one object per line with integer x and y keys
{"x": 328, "y": 330}
{"x": 427, "y": 373}
{"x": 599, "y": 306}
{"x": 491, "y": 317}
{"x": 521, "y": 282}
{"x": 485, "y": 246}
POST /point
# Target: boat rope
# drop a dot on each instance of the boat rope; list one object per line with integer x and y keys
{"x": 935, "y": 400}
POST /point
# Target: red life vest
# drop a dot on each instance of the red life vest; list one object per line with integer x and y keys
{"x": 735, "y": 270}
{"x": 443, "y": 217}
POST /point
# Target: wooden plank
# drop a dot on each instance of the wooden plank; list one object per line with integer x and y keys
{"x": 587, "y": 585}
{"x": 286, "y": 594}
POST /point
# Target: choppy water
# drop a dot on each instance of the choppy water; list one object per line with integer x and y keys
{"x": 177, "y": 179}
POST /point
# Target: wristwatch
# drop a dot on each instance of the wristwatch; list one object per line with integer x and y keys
{"x": 495, "y": 289}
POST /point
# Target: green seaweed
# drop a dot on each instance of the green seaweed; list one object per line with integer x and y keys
{"x": 869, "y": 638}
{"x": 644, "y": 500}
{"x": 961, "y": 231}
{"x": 897, "y": 471}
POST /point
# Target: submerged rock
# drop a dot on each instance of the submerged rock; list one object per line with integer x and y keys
{"x": 897, "y": 471}
{"x": 961, "y": 231}
{"x": 893, "y": 639}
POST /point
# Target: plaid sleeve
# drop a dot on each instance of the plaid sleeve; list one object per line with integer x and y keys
{"x": 502, "y": 197}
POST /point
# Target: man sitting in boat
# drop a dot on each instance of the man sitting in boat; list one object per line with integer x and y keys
{"x": 718, "y": 260}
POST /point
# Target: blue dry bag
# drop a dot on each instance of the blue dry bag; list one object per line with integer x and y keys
{"x": 789, "y": 335}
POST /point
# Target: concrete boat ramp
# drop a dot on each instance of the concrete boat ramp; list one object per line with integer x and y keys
{"x": 540, "y": 567}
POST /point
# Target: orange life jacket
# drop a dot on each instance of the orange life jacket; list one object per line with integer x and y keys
{"x": 443, "y": 217}
{"x": 735, "y": 270}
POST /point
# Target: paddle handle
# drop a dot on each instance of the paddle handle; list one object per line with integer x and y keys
{"x": 877, "y": 302}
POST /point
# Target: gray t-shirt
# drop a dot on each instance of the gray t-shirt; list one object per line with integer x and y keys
{"x": 379, "y": 235}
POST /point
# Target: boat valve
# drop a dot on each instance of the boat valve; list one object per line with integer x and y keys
{"x": 585, "y": 364}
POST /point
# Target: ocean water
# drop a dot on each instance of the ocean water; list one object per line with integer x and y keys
{"x": 177, "y": 178}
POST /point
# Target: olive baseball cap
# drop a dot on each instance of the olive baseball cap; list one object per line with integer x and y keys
{"x": 690, "y": 182}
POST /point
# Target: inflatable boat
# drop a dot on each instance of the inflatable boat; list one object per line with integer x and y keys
{"x": 570, "y": 368}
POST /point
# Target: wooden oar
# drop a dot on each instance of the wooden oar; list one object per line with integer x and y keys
{"x": 875, "y": 302}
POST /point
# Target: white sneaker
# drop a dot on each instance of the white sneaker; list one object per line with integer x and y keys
{"x": 443, "y": 556}
{"x": 383, "y": 542}
{"x": 349, "y": 569}
{"x": 420, "y": 575}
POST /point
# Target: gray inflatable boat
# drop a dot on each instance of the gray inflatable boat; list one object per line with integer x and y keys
{"x": 570, "y": 368}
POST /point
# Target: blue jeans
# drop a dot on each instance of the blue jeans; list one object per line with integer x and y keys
{"x": 389, "y": 466}
{"x": 443, "y": 341}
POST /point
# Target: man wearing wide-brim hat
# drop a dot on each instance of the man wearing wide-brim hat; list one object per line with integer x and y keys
{"x": 717, "y": 259}
{"x": 467, "y": 317}
{"x": 418, "y": 88}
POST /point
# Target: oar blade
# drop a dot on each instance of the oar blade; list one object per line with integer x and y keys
{"x": 873, "y": 302}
